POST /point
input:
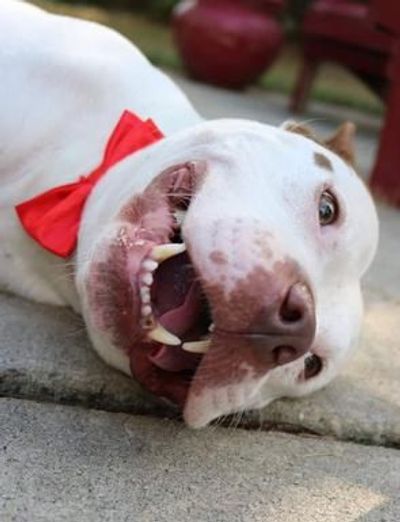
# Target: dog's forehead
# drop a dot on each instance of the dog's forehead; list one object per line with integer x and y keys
{"x": 273, "y": 167}
{"x": 277, "y": 146}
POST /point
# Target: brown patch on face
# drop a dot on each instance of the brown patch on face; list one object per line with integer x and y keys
{"x": 322, "y": 161}
{"x": 218, "y": 257}
{"x": 113, "y": 307}
{"x": 249, "y": 327}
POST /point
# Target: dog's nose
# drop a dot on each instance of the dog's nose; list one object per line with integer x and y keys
{"x": 285, "y": 327}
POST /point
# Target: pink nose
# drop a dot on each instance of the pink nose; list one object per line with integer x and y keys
{"x": 285, "y": 327}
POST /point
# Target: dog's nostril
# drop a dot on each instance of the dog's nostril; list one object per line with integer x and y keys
{"x": 290, "y": 315}
{"x": 296, "y": 303}
{"x": 291, "y": 310}
{"x": 285, "y": 354}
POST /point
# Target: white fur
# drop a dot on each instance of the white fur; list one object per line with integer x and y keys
{"x": 64, "y": 85}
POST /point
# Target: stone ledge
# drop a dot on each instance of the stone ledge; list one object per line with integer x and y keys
{"x": 60, "y": 463}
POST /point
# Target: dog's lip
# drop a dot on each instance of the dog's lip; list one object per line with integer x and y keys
{"x": 173, "y": 386}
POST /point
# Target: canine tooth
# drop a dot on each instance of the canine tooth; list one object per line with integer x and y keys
{"x": 147, "y": 279}
{"x": 197, "y": 347}
{"x": 211, "y": 328}
{"x": 145, "y": 295}
{"x": 150, "y": 265}
{"x": 162, "y": 252}
{"x": 163, "y": 336}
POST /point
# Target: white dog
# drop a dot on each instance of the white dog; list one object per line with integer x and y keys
{"x": 220, "y": 265}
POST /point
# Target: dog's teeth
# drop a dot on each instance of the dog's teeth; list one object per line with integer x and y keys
{"x": 211, "y": 328}
{"x": 162, "y": 252}
{"x": 163, "y": 336}
{"x": 147, "y": 279}
{"x": 197, "y": 347}
{"x": 150, "y": 265}
{"x": 146, "y": 310}
{"x": 145, "y": 295}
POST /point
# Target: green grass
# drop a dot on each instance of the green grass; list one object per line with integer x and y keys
{"x": 333, "y": 85}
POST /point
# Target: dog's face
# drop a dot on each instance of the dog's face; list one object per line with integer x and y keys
{"x": 234, "y": 279}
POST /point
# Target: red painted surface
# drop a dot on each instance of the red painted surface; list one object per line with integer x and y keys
{"x": 386, "y": 174}
{"x": 364, "y": 37}
{"x": 228, "y": 42}
{"x": 387, "y": 14}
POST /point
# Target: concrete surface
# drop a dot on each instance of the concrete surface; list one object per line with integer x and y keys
{"x": 63, "y": 464}
{"x": 59, "y": 462}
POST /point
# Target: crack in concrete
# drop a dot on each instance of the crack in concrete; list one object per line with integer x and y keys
{"x": 19, "y": 385}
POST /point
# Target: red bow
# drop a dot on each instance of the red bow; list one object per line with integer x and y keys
{"x": 52, "y": 219}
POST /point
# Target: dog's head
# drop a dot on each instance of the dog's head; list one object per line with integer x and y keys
{"x": 232, "y": 277}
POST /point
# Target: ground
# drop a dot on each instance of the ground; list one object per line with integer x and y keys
{"x": 80, "y": 441}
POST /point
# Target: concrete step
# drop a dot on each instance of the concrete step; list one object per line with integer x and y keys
{"x": 60, "y": 463}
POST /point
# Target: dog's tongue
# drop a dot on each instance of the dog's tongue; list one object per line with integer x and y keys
{"x": 177, "y": 302}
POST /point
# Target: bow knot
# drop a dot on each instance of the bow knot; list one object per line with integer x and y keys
{"x": 52, "y": 219}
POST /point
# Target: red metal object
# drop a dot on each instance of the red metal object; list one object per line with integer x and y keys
{"x": 342, "y": 31}
{"x": 385, "y": 179}
{"x": 227, "y": 42}
{"x": 350, "y": 33}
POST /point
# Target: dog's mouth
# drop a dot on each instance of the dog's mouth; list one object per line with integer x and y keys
{"x": 176, "y": 322}
{"x": 166, "y": 296}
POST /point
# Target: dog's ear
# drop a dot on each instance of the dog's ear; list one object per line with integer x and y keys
{"x": 299, "y": 128}
{"x": 342, "y": 142}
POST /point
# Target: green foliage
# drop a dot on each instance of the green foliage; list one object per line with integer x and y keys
{"x": 157, "y": 9}
{"x": 161, "y": 9}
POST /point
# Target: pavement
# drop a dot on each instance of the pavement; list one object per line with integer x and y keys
{"x": 79, "y": 441}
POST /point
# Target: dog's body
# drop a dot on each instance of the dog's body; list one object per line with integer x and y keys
{"x": 280, "y": 286}
{"x": 55, "y": 92}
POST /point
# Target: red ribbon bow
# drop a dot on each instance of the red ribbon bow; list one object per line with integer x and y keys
{"x": 52, "y": 219}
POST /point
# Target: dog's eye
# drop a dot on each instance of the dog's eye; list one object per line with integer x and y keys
{"x": 328, "y": 209}
{"x": 312, "y": 366}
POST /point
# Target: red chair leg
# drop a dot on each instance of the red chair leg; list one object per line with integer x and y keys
{"x": 385, "y": 181}
{"x": 303, "y": 86}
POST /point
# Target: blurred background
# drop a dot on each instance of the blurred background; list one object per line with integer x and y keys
{"x": 344, "y": 53}
{"x": 149, "y": 24}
